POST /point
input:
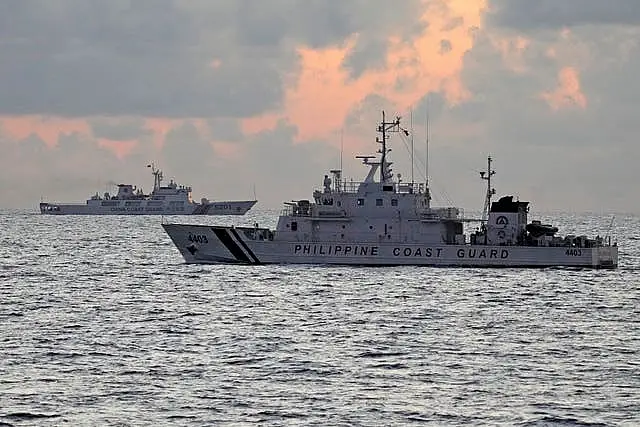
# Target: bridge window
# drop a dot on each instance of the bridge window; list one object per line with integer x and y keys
{"x": 394, "y": 202}
{"x": 360, "y": 202}
{"x": 294, "y": 225}
{"x": 378, "y": 202}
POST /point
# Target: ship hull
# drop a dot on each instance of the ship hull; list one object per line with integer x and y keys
{"x": 126, "y": 207}
{"x": 201, "y": 244}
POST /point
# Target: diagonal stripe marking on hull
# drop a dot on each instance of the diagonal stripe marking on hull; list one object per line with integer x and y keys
{"x": 245, "y": 246}
{"x": 232, "y": 246}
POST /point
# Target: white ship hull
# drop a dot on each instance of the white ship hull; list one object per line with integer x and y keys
{"x": 128, "y": 207}
{"x": 201, "y": 244}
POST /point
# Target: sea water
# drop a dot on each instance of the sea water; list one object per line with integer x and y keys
{"x": 102, "y": 323}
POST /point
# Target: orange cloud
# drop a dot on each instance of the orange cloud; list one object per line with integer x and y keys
{"x": 49, "y": 129}
{"x": 227, "y": 150}
{"x": 551, "y": 52}
{"x": 120, "y": 148}
{"x": 159, "y": 127}
{"x": 46, "y": 128}
{"x": 323, "y": 92}
{"x": 568, "y": 93}
{"x": 264, "y": 122}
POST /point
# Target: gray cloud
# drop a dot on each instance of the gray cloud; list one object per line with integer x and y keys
{"x": 553, "y": 14}
{"x": 118, "y": 130}
{"x": 187, "y": 155}
{"x": 445, "y": 46}
{"x": 154, "y": 57}
{"x": 271, "y": 162}
{"x": 570, "y": 159}
{"x": 30, "y": 170}
{"x": 367, "y": 55}
{"x": 223, "y": 129}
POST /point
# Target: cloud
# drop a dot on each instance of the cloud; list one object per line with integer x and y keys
{"x": 223, "y": 129}
{"x": 118, "y": 129}
{"x": 78, "y": 165}
{"x": 568, "y": 93}
{"x": 229, "y": 94}
{"x": 163, "y": 58}
{"x": 553, "y": 14}
{"x": 187, "y": 149}
{"x": 48, "y": 129}
{"x": 412, "y": 67}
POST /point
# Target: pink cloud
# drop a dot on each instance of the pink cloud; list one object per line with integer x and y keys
{"x": 323, "y": 93}
{"x": 568, "y": 93}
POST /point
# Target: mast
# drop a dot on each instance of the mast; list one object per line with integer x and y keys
{"x": 411, "y": 127}
{"x": 383, "y": 159}
{"x": 384, "y": 128}
{"x": 426, "y": 160}
{"x": 340, "y": 186}
{"x": 341, "y": 145}
{"x": 157, "y": 176}
{"x": 490, "y": 191}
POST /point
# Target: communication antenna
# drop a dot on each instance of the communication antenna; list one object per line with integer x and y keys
{"x": 490, "y": 191}
{"x": 411, "y": 127}
{"x": 608, "y": 236}
{"x": 426, "y": 160}
{"x": 341, "y": 145}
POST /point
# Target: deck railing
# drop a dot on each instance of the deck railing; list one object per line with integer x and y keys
{"x": 399, "y": 187}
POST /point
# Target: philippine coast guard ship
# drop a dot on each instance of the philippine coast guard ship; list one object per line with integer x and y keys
{"x": 170, "y": 199}
{"x": 386, "y": 222}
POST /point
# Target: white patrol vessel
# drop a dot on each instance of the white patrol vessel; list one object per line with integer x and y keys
{"x": 386, "y": 222}
{"x": 171, "y": 199}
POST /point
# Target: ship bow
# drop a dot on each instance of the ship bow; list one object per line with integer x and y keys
{"x": 200, "y": 244}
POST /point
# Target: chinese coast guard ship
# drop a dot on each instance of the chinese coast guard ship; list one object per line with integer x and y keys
{"x": 170, "y": 199}
{"x": 381, "y": 221}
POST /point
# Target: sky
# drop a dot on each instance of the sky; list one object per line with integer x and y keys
{"x": 264, "y": 97}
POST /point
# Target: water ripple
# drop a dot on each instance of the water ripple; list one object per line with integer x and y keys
{"x": 104, "y": 325}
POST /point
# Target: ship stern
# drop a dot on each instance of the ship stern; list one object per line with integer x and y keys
{"x": 605, "y": 257}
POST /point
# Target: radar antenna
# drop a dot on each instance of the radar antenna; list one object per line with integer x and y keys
{"x": 365, "y": 159}
{"x": 490, "y": 191}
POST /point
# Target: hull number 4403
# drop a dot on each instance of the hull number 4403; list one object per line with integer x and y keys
{"x": 198, "y": 238}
